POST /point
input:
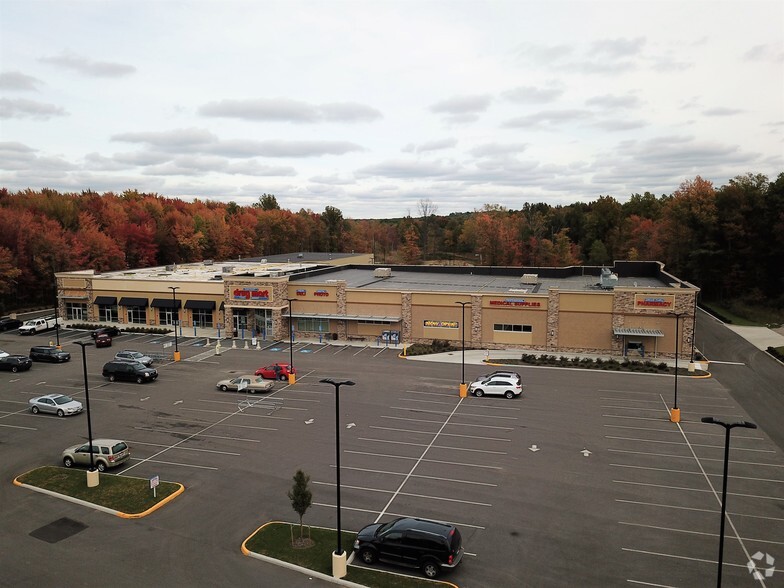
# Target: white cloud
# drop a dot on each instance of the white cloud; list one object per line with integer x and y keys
{"x": 17, "y": 81}
{"x": 23, "y": 108}
{"x": 89, "y": 67}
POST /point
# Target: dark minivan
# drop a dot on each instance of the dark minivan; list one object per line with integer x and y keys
{"x": 417, "y": 543}
{"x": 129, "y": 371}
{"x": 49, "y": 353}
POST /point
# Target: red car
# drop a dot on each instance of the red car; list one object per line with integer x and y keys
{"x": 276, "y": 371}
{"x": 103, "y": 340}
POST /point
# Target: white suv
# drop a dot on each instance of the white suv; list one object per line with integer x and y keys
{"x": 510, "y": 387}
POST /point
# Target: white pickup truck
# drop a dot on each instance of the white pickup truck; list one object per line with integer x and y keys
{"x": 34, "y": 326}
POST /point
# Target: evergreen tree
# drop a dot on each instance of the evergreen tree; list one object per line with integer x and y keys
{"x": 300, "y": 495}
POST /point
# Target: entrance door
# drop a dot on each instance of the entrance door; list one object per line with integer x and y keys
{"x": 240, "y": 322}
{"x": 263, "y": 324}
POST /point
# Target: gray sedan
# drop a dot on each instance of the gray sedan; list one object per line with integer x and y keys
{"x": 250, "y": 384}
{"x": 58, "y": 404}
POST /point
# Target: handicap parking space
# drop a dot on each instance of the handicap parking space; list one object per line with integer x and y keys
{"x": 668, "y": 483}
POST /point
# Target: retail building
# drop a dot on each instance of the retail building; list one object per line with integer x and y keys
{"x": 629, "y": 308}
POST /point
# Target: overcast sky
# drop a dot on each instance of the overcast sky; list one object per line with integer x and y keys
{"x": 375, "y": 106}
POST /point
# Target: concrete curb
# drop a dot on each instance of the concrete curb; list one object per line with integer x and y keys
{"x": 94, "y": 506}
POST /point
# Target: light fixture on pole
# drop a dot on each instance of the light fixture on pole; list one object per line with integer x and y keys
{"x": 727, "y": 428}
{"x": 675, "y": 413}
{"x": 292, "y": 377}
{"x": 463, "y": 387}
{"x": 175, "y": 313}
{"x": 339, "y": 556}
{"x": 92, "y": 473}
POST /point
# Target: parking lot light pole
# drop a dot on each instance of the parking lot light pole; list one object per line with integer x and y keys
{"x": 675, "y": 413}
{"x": 463, "y": 387}
{"x": 727, "y": 428}
{"x": 176, "y": 321}
{"x": 292, "y": 377}
{"x": 92, "y": 473}
{"x": 339, "y": 557}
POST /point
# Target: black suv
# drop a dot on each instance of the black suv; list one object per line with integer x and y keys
{"x": 49, "y": 353}
{"x": 7, "y": 323}
{"x": 417, "y": 543}
{"x": 130, "y": 371}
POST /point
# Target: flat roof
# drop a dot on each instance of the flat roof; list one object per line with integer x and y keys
{"x": 203, "y": 272}
{"x": 414, "y": 280}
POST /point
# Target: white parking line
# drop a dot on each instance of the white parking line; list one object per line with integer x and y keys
{"x": 657, "y": 401}
{"x": 421, "y": 393}
{"x": 651, "y": 584}
{"x": 198, "y": 449}
{"x": 418, "y": 476}
{"x": 19, "y": 427}
{"x": 686, "y": 443}
{"x": 433, "y": 446}
{"x": 690, "y": 432}
{"x": 174, "y": 463}
{"x": 445, "y": 434}
{"x": 173, "y": 432}
{"x": 695, "y": 489}
{"x": 239, "y": 413}
{"x": 457, "y": 463}
{"x": 734, "y": 416}
{"x": 486, "y": 416}
{"x": 673, "y": 556}
{"x": 399, "y": 493}
{"x": 636, "y": 467}
{"x": 752, "y": 463}
{"x": 392, "y": 514}
{"x": 736, "y": 514}
{"x": 450, "y": 424}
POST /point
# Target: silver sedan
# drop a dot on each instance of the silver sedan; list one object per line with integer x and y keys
{"x": 250, "y": 384}
{"x": 58, "y": 404}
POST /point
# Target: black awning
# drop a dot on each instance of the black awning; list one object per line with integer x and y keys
{"x": 165, "y": 303}
{"x": 105, "y": 300}
{"x": 128, "y": 301}
{"x": 200, "y": 304}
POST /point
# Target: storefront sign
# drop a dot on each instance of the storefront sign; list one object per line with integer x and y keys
{"x": 649, "y": 301}
{"x": 514, "y": 302}
{"x": 301, "y": 292}
{"x": 442, "y": 324}
{"x": 320, "y": 293}
{"x": 248, "y": 294}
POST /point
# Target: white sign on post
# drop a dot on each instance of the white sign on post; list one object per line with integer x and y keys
{"x": 154, "y": 481}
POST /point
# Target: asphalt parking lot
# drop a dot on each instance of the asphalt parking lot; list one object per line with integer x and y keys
{"x": 584, "y": 480}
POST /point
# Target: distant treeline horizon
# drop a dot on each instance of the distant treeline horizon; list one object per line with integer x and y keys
{"x": 729, "y": 241}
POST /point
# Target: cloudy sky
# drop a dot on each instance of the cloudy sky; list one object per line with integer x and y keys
{"x": 375, "y": 107}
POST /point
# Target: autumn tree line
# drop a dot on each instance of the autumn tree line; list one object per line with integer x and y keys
{"x": 727, "y": 240}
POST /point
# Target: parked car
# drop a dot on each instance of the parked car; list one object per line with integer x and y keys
{"x": 131, "y": 355}
{"x": 276, "y": 371}
{"x": 49, "y": 353}
{"x": 418, "y": 543}
{"x": 4, "y": 353}
{"x": 129, "y": 371}
{"x": 103, "y": 340}
{"x": 497, "y": 386}
{"x": 15, "y": 363}
{"x": 7, "y": 323}
{"x": 111, "y": 331}
{"x": 250, "y": 384}
{"x": 58, "y": 404}
{"x": 107, "y": 453}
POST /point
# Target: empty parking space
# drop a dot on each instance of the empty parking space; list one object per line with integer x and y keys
{"x": 668, "y": 482}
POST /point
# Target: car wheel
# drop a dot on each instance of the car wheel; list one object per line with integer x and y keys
{"x": 139, "y": 379}
{"x": 479, "y": 392}
{"x": 112, "y": 378}
{"x": 430, "y": 569}
{"x": 60, "y": 412}
{"x": 282, "y": 377}
{"x": 34, "y": 410}
{"x": 14, "y": 369}
{"x": 224, "y": 388}
{"x": 101, "y": 466}
{"x": 509, "y": 394}
{"x": 367, "y": 556}
{"x": 67, "y": 462}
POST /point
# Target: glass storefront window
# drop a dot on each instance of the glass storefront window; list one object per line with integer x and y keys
{"x": 108, "y": 313}
{"x": 75, "y": 311}
{"x": 137, "y": 315}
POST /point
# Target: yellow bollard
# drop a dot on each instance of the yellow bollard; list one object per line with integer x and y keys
{"x": 176, "y": 356}
{"x": 463, "y": 390}
{"x": 292, "y": 379}
{"x": 675, "y": 415}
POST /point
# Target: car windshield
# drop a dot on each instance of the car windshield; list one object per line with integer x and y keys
{"x": 386, "y": 526}
{"x": 62, "y": 399}
{"x": 133, "y": 354}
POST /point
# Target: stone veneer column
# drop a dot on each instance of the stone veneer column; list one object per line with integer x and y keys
{"x": 405, "y": 316}
{"x": 623, "y": 304}
{"x": 553, "y": 313}
{"x": 340, "y": 308}
{"x": 476, "y": 321}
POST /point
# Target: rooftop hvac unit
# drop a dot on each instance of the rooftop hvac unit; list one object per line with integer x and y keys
{"x": 169, "y": 268}
{"x": 382, "y": 272}
{"x": 608, "y": 280}
{"x": 275, "y": 274}
{"x": 332, "y": 281}
{"x": 530, "y": 279}
{"x": 207, "y": 262}
{"x": 227, "y": 269}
